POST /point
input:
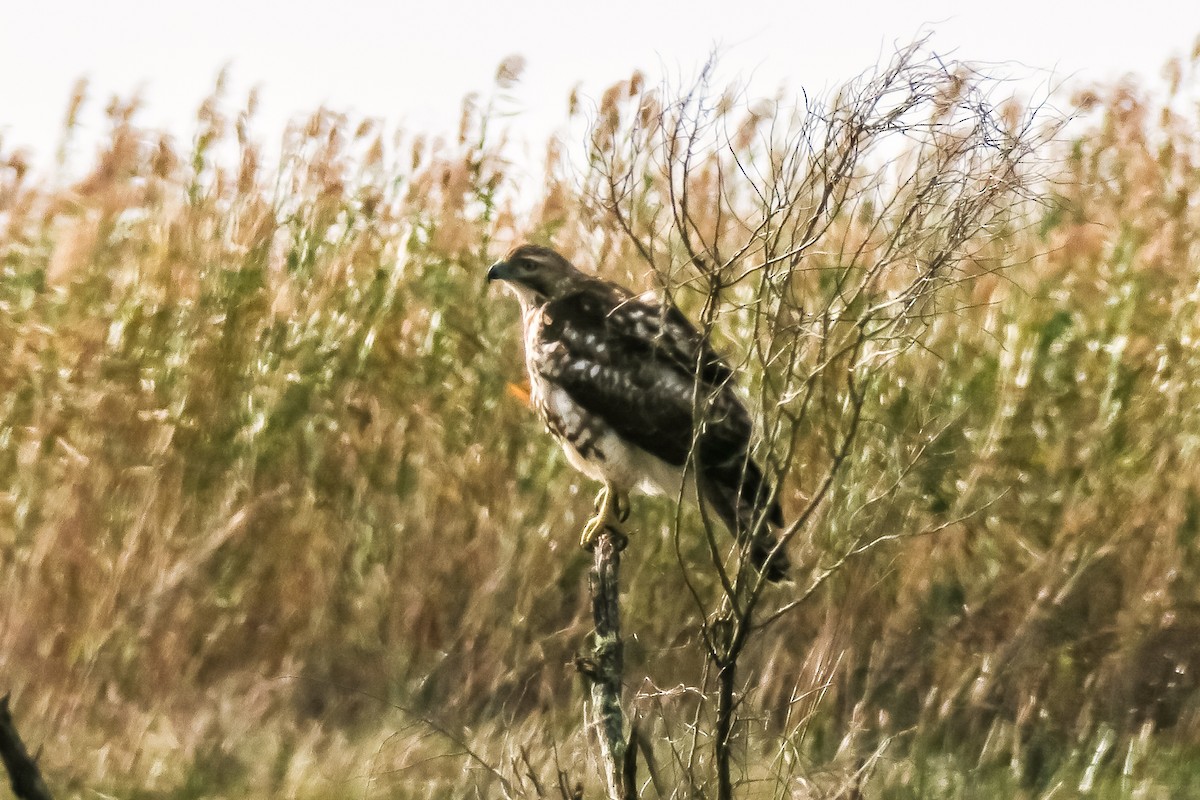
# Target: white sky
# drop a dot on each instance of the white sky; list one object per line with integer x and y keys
{"x": 413, "y": 62}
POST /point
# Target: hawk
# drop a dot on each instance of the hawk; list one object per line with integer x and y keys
{"x": 631, "y": 390}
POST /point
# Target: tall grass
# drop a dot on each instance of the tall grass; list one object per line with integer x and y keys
{"x": 272, "y": 521}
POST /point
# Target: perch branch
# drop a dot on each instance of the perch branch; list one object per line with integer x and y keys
{"x": 603, "y": 667}
{"x": 23, "y": 773}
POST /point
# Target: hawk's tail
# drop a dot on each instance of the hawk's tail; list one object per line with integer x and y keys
{"x": 772, "y": 563}
{"x": 741, "y": 497}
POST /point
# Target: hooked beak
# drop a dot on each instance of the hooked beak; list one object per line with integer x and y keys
{"x": 498, "y": 272}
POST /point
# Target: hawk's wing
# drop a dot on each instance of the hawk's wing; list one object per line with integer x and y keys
{"x": 644, "y": 370}
{"x": 640, "y": 368}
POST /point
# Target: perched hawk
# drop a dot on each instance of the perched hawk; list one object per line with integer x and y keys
{"x": 630, "y": 389}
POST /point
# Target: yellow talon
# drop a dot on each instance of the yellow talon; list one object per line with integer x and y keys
{"x": 620, "y": 507}
{"x": 591, "y": 532}
{"x": 610, "y": 512}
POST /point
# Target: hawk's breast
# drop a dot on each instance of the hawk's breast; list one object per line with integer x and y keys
{"x": 592, "y": 446}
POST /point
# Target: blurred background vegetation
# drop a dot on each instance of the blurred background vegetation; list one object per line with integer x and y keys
{"x": 274, "y": 523}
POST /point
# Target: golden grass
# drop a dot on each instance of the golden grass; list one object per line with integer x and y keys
{"x": 272, "y": 521}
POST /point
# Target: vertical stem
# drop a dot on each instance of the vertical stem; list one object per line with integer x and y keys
{"x": 726, "y": 676}
{"x": 26, "y": 780}
{"x": 605, "y": 665}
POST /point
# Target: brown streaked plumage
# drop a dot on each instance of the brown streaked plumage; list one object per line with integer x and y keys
{"x": 617, "y": 379}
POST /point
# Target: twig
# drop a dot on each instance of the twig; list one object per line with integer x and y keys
{"x": 23, "y": 772}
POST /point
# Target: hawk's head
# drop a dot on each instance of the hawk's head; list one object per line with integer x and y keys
{"x": 536, "y": 274}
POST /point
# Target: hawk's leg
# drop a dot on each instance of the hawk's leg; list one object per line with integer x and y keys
{"x": 611, "y": 510}
{"x": 620, "y": 503}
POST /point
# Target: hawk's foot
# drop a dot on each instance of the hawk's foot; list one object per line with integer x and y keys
{"x": 609, "y": 515}
{"x": 595, "y": 527}
{"x": 620, "y": 506}
{"x": 617, "y": 503}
